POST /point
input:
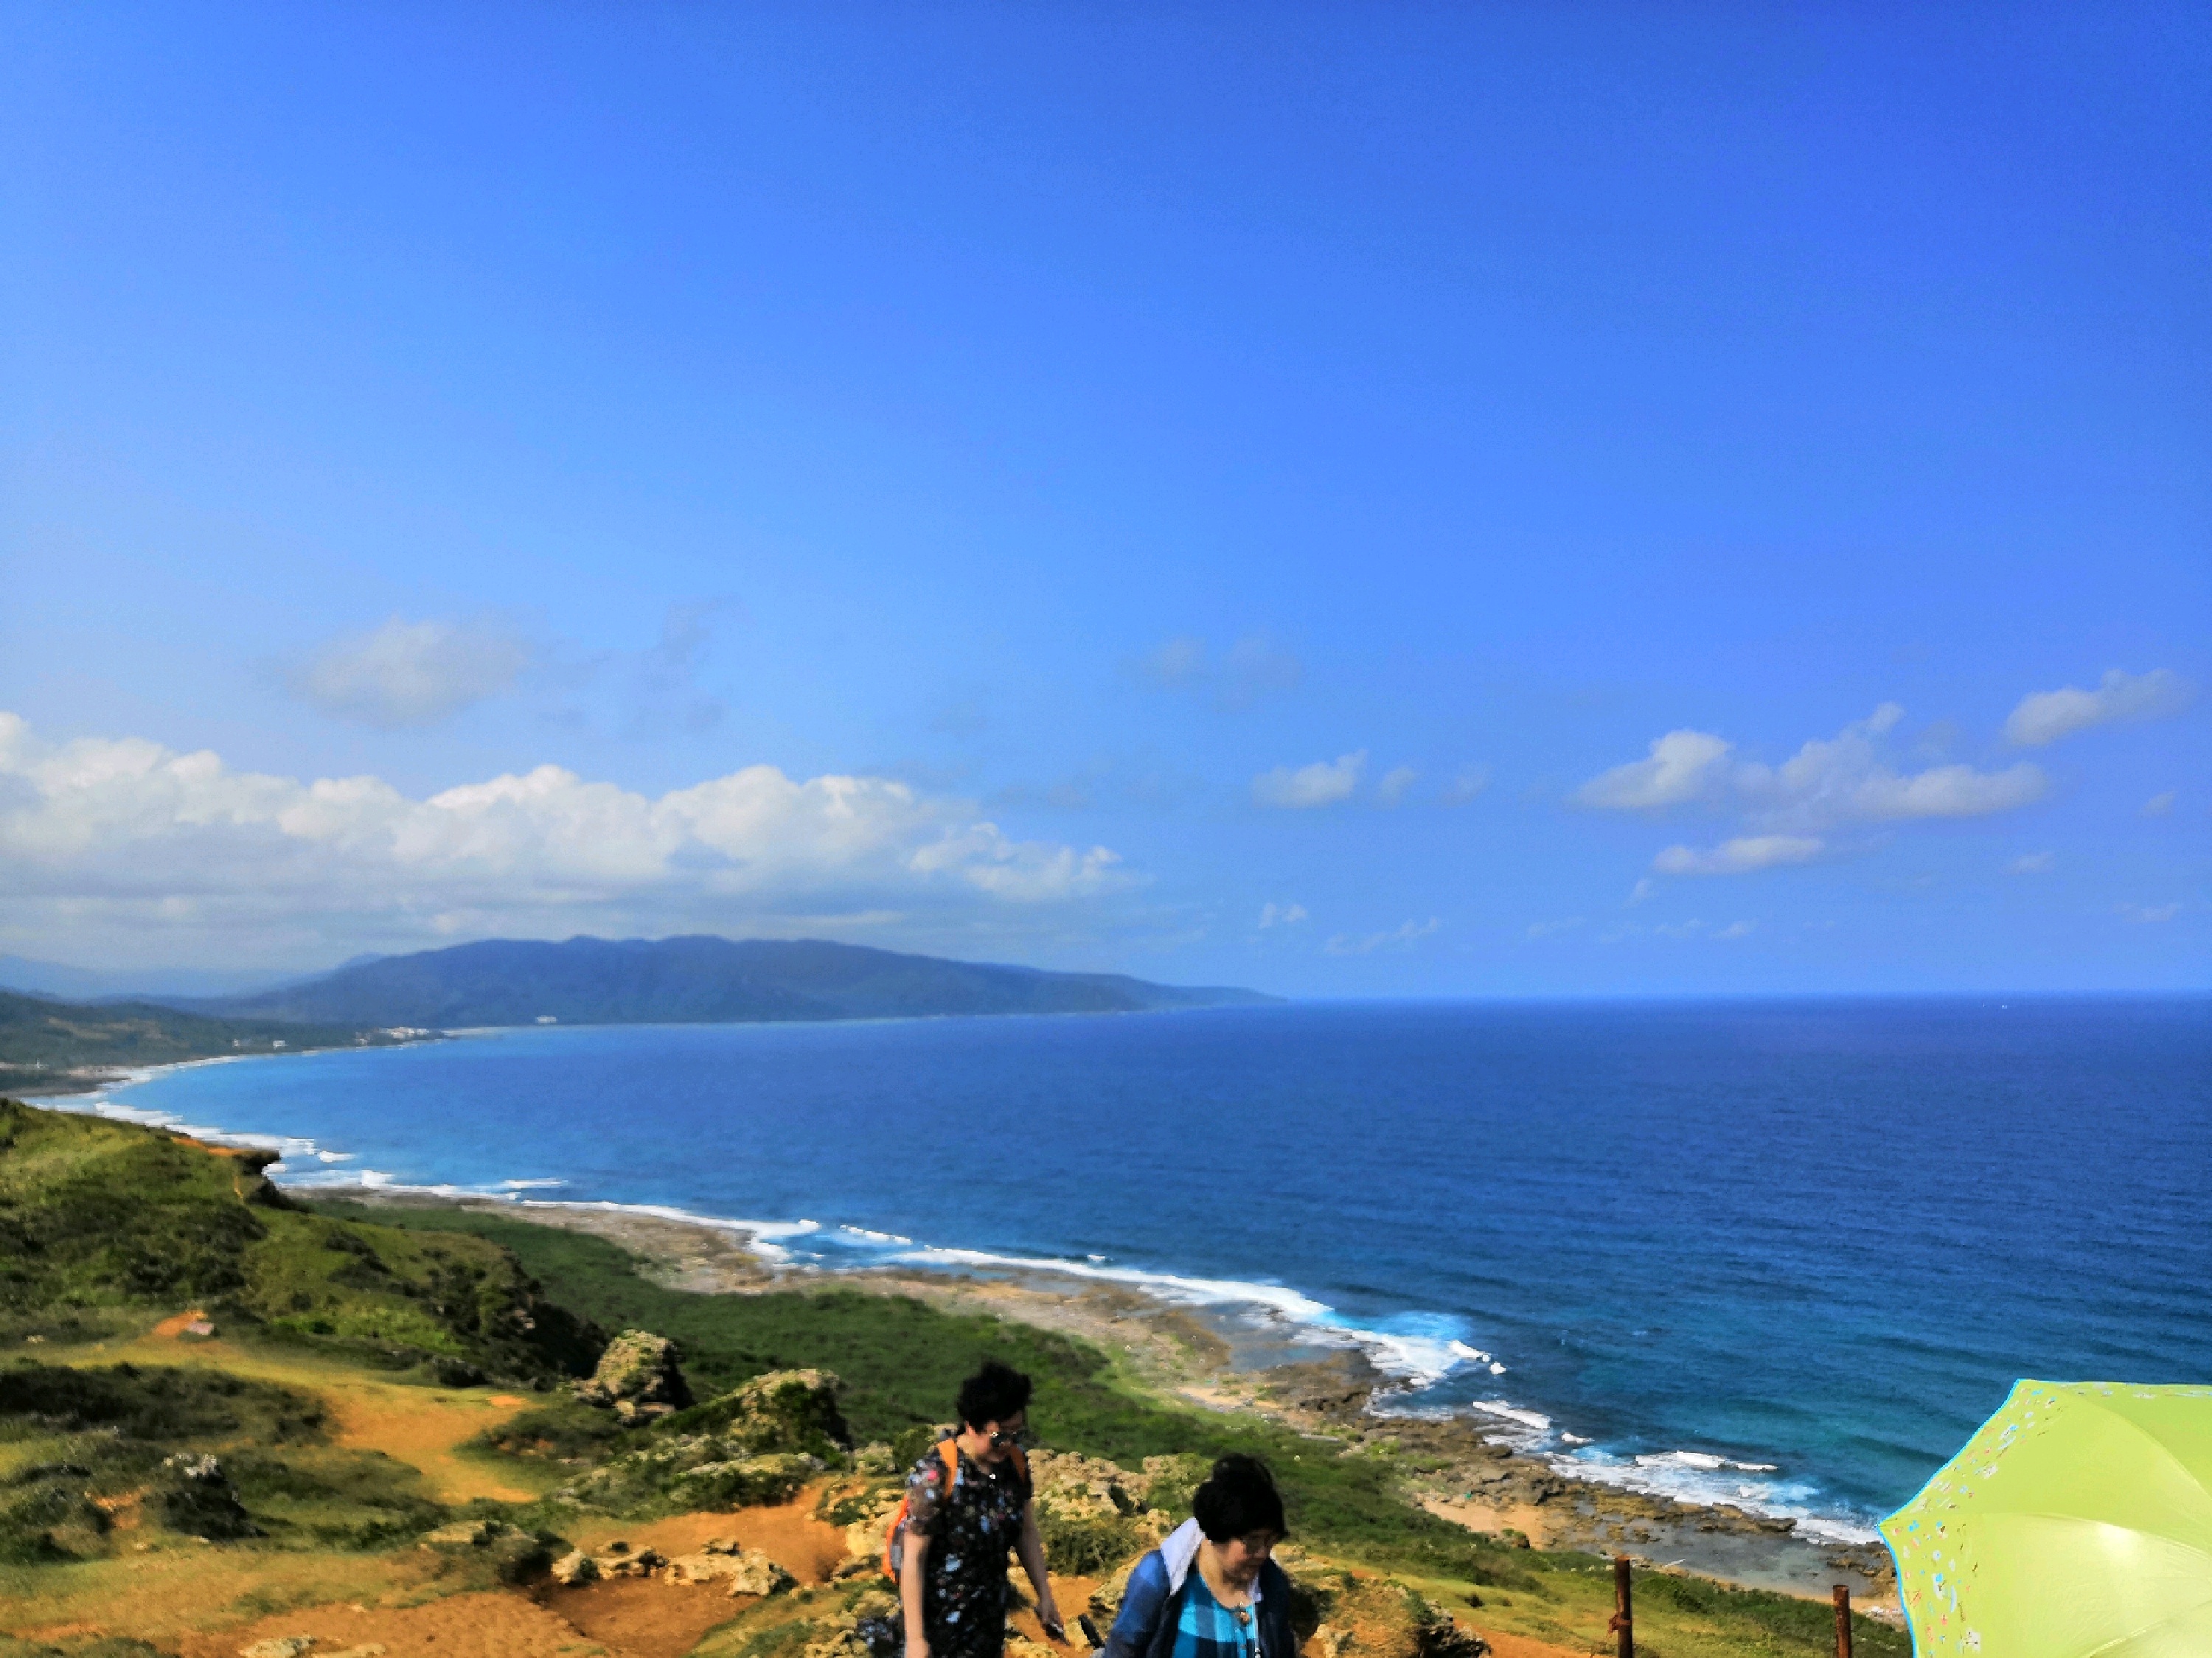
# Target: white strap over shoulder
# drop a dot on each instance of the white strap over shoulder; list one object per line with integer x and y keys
{"x": 1179, "y": 1549}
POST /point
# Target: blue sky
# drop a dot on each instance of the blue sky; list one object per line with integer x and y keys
{"x": 1368, "y": 501}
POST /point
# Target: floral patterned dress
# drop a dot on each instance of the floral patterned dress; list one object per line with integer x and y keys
{"x": 970, "y": 1528}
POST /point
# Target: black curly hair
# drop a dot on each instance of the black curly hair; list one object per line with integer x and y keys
{"x": 997, "y": 1392}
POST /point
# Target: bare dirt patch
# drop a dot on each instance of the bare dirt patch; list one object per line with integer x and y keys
{"x": 811, "y": 1549}
{"x": 425, "y": 1428}
{"x": 177, "y": 1590}
{"x": 643, "y": 1616}
{"x": 1522, "y": 1646}
{"x": 489, "y": 1623}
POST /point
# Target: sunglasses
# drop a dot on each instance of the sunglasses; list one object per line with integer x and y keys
{"x": 1011, "y": 1436}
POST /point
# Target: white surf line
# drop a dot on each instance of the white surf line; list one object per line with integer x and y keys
{"x": 1416, "y": 1362}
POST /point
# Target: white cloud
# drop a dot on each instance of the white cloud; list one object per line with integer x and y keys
{"x": 2159, "y": 805}
{"x": 1395, "y": 781}
{"x": 1682, "y": 932}
{"x": 1174, "y": 663}
{"x": 1790, "y": 809}
{"x": 1470, "y": 782}
{"x": 1645, "y": 887}
{"x": 408, "y": 673}
{"x": 1740, "y": 856}
{"x": 1282, "y": 915}
{"x": 1322, "y": 784}
{"x": 1256, "y": 665}
{"x": 1843, "y": 779}
{"x": 124, "y": 834}
{"x": 2034, "y": 863}
{"x": 2045, "y": 716}
{"x": 1401, "y": 937}
{"x": 1942, "y": 792}
{"x": 1545, "y": 929}
{"x": 1684, "y": 766}
{"x": 2150, "y": 914}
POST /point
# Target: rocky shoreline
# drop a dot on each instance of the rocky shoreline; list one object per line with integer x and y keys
{"x": 1462, "y": 1468}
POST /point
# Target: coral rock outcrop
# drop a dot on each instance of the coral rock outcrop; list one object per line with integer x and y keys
{"x": 638, "y": 1377}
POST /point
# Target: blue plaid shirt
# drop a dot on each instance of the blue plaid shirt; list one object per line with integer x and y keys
{"x": 1208, "y": 1629}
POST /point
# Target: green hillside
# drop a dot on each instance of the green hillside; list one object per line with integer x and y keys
{"x": 97, "y": 1217}
{"x": 158, "y": 1486}
{"x": 44, "y": 1044}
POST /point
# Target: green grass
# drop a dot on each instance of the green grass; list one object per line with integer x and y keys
{"x": 97, "y": 1216}
{"x": 41, "y": 1039}
{"x": 902, "y": 1362}
{"x": 71, "y": 1438}
{"x": 101, "y": 1221}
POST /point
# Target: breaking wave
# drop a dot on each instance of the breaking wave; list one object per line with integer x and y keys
{"x": 1414, "y": 1350}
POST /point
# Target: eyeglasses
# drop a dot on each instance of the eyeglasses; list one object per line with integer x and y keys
{"x": 1011, "y": 1436}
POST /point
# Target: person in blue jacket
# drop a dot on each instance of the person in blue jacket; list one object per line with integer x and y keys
{"x": 1212, "y": 1589}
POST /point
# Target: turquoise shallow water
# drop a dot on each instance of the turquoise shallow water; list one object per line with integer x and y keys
{"x": 1787, "y": 1254}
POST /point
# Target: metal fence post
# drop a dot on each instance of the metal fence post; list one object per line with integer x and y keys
{"x": 1843, "y": 1621}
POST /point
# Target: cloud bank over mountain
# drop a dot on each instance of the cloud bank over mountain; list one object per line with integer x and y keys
{"x": 108, "y": 838}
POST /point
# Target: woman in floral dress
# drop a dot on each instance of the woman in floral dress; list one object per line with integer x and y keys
{"x": 961, "y": 1521}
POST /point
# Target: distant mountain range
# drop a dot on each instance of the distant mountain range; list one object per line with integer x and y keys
{"x": 84, "y": 983}
{"x": 49, "y": 1047}
{"x": 694, "y": 980}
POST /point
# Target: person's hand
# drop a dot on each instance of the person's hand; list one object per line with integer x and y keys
{"x": 1048, "y": 1615}
{"x": 917, "y": 1645}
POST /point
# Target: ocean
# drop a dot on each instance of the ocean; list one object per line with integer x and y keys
{"x": 1782, "y": 1253}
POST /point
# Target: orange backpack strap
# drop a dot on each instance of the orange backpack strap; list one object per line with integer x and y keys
{"x": 948, "y": 1452}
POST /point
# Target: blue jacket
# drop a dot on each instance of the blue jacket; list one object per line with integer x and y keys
{"x": 1153, "y": 1603}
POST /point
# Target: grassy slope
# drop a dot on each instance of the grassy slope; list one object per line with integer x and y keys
{"x": 902, "y": 1363}
{"x": 42, "y": 1041}
{"x": 334, "y": 1513}
{"x": 98, "y": 1217}
{"x": 105, "y": 1221}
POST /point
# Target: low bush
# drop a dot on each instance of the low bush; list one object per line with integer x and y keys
{"x": 161, "y": 1403}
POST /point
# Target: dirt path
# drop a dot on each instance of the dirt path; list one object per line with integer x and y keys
{"x": 489, "y": 1624}
{"x": 788, "y": 1533}
{"x": 423, "y": 1427}
{"x": 426, "y": 1429}
{"x": 179, "y": 1594}
{"x": 1522, "y": 1646}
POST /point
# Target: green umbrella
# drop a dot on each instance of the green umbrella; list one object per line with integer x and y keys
{"x": 2077, "y": 1522}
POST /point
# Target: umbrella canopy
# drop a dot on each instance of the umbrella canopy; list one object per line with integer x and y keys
{"x": 2078, "y": 1521}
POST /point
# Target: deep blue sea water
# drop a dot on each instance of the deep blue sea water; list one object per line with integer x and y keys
{"x": 1821, "y": 1235}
